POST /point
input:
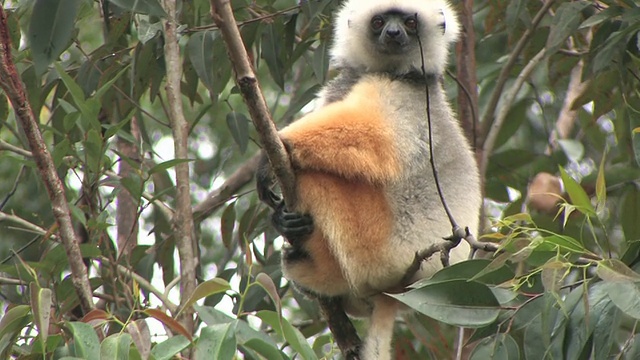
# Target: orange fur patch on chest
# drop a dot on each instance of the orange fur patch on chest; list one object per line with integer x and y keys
{"x": 354, "y": 217}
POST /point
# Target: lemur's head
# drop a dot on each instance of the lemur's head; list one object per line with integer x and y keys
{"x": 382, "y": 35}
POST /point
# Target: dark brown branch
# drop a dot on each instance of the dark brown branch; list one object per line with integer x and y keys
{"x": 183, "y": 226}
{"x": 12, "y": 85}
{"x": 341, "y": 327}
{"x": 222, "y": 15}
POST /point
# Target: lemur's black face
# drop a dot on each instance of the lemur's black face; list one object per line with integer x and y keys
{"x": 394, "y": 32}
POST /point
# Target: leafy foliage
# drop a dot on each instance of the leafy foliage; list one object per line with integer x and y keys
{"x": 564, "y": 284}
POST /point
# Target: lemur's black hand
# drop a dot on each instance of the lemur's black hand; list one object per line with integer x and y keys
{"x": 294, "y": 226}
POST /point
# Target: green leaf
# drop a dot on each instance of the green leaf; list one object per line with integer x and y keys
{"x": 573, "y": 149}
{"x": 563, "y": 242}
{"x": 321, "y": 62}
{"x": 578, "y": 196}
{"x": 564, "y": 23}
{"x": 291, "y": 334}
{"x": 40, "y": 301}
{"x": 239, "y": 126}
{"x": 267, "y": 284}
{"x": 227, "y": 224}
{"x": 85, "y": 340}
{"x": 626, "y": 296}
{"x": 469, "y": 270}
{"x": 147, "y": 7}
{"x": 614, "y": 270}
{"x": 116, "y": 347}
{"x": 606, "y": 328}
{"x": 442, "y": 301}
{"x": 499, "y": 347}
{"x": 200, "y": 49}
{"x": 259, "y": 341}
{"x": 300, "y": 101}
{"x": 167, "y": 165}
{"x": 271, "y": 40}
{"x": 88, "y": 108}
{"x": 268, "y": 350}
{"x": 13, "y": 321}
{"x": 207, "y": 288}
{"x": 601, "y": 185}
{"x": 167, "y": 349}
{"x": 553, "y": 274}
{"x": 635, "y": 138}
{"x": 50, "y": 30}
{"x": 216, "y": 342}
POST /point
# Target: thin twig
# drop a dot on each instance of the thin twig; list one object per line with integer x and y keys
{"x": 125, "y": 271}
{"x": 18, "y": 150}
{"x": 219, "y": 196}
{"x": 14, "y": 188}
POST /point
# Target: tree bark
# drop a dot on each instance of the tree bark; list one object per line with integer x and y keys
{"x": 12, "y": 85}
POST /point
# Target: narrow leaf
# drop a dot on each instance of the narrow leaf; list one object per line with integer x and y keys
{"x": 616, "y": 271}
{"x": 174, "y": 325}
{"x": 167, "y": 349}
{"x": 147, "y": 7}
{"x": 565, "y": 22}
{"x": 41, "y": 308}
{"x": 227, "y": 224}
{"x": 296, "y": 340}
{"x": 499, "y": 347}
{"x": 216, "y": 342}
{"x": 167, "y": 165}
{"x": 50, "y": 30}
{"x": 578, "y": 196}
{"x": 267, "y": 284}
{"x": 200, "y": 47}
{"x": 207, "y": 288}
{"x": 601, "y": 186}
{"x": 239, "y": 127}
{"x": 141, "y": 337}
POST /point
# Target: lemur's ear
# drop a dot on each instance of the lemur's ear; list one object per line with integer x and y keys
{"x": 443, "y": 24}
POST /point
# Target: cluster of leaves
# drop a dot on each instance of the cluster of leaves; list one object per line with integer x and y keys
{"x": 563, "y": 285}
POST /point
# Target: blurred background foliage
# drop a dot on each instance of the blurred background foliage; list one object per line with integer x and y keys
{"x": 561, "y": 173}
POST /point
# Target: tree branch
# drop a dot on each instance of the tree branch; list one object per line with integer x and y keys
{"x": 494, "y": 130}
{"x": 222, "y": 15}
{"x": 219, "y": 196}
{"x": 12, "y": 85}
{"x": 18, "y": 150}
{"x": 567, "y": 116}
{"x": 487, "y": 119}
{"x": 183, "y": 227}
{"x": 467, "y": 80}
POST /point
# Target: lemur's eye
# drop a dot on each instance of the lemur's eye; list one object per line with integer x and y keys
{"x": 411, "y": 23}
{"x": 377, "y": 22}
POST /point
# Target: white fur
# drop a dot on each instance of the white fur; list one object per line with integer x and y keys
{"x": 351, "y": 46}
